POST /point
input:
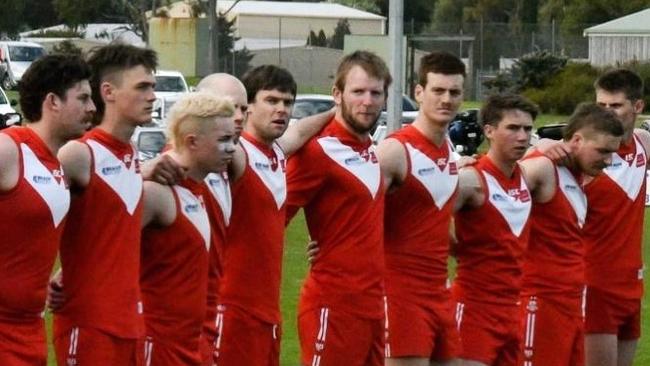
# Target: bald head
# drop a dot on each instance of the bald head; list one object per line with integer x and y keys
{"x": 226, "y": 85}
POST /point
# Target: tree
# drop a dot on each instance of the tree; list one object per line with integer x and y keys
{"x": 66, "y": 48}
{"x": 319, "y": 40}
{"x": 10, "y": 22}
{"x": 76, "y": 13}
{"x": 370, "y": 6}
{"x": 337, "y": 39}
{"x": 235, "y": 62}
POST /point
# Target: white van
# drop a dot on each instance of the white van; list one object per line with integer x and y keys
{"x": 15, "y": 58}
{"x": 170, "y": 87}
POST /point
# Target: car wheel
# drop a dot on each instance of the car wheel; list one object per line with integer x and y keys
{"x": 6, "y": 83}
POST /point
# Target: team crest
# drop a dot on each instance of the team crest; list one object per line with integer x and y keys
{"x": 640, "y": 160}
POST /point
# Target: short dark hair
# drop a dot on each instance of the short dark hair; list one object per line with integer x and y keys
{"x": 594, "y": 117}
{"x": 495, "y": 106}
{"x": 372, "y": 64}
{"x": 621, "y": 80}
{"x": 268, "y": 77}
{"x": 440, "y": 62}
{"x": 107, "y": 60}
{"x": 49, "y": 74}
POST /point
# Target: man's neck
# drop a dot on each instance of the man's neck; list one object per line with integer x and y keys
{"x": 505, "y": 166}
{"x": 43, "y": 130}
{"x": 184, "y": 159}
{"x": 435, "y": 132}
{"x": 343, "y": 122}
{"x": 117, "y": 127}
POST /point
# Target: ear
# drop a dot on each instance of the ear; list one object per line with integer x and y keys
{"x": 191, "y": 141}
{"x": 488, "y": 131}
{"x": 639, "y": 105}
{"x": 337, "y": 94}
{"x": 107, "y": 91}
{"x": 419, "y": 91}
{"x": 52, "y": 102}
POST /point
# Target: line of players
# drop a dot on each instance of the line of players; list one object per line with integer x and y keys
{"x": 376, "y": 292}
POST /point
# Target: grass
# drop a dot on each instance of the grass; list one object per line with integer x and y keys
{"x": 295, "y": 268}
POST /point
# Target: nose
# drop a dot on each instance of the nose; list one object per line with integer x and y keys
{"x": 91, "y": 107}
{"x": 230, "y": 147}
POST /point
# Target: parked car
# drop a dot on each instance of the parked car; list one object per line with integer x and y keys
{"x": 170, "y": 86}
{"x": 310, "y": 104}
{"x": 8, "y": 113}
{"x": 15, "y": 58}
{"x": 409, "y": 111}
{"x": 149, "y": 142}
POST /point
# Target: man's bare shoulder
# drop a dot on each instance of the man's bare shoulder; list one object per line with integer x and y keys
{"x": 470, "y": 188}
{"x": 644, "y": 138}
{"x": 76, "y": 160}
{"x": 392, "y": 160}
{"x": 8, "y": 163}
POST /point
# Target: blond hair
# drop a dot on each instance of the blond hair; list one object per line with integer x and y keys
{"x": 193, "y": 112}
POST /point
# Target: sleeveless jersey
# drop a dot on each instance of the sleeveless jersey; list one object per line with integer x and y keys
{"x": 554, "y": 263}
{"x": 336, "y": 178}
{"x": 218, "y": 203}
{"x": 614, "y": 227}
{"x": 418, "y": 216}
{"x": 33, "y": 214}
{"x": 175, "y": 269}
{"x": 100, "y": 251}
{"x": 252, "y": 259}
{"x": 492, "y": 238}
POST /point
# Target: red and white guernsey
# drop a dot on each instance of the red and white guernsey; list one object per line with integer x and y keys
{"x": 100, "y": 251}
{"x": 492, "y": 238}
{"x": 418, "y": 215}
{"x": 614, "y": 227}
{"x": 218, "y": 202}
{"x": 554, "y": 262}
{"x": 33, "y": 214}
{"x": 175, "y": 272}
{"x": 252, "y": 259}
{"x": 336, "y": 178}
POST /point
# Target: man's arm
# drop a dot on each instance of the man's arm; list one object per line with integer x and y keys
{"x": 302, "y": 130}
{"x": 539, "y": 173}
{"x": 163, "y": 169}
{"x": 9, "y": 166}
{"x": 393, "y": 163}
{"x": 159, "y": 205}
{"x": 470, "y": 190}
{"x": 75, "y": 160}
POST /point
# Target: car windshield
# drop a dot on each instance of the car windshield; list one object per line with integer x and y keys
{"x": 408, "y": 105}
{"x": 170, "y": 84}
{"x": 307, "y": 107}
{"x": 151, "y": 141}
{"x": 3, "y": 98}
{"x": 25, "y": 53}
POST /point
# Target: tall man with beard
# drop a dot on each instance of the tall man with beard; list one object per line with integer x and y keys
{"x": 336, "y": 178}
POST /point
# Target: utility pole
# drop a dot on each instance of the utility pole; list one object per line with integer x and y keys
{"x": 213, "y": 50}
{"x": 396, "y": 37}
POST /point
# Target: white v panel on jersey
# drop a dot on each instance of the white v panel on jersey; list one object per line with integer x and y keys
{"x": 220, "y": 190}
{"x": 51, "y": 187}
{"x": 435, "y": 176}
{"x": 364, "y": 167}
{"x": 123, "y": 180}
{"x": 274, "y": 180}
{"x": 514, "y": 207}
{"x": 628, "y": 174}
{"x": 194, "y": 210}
{"x": 574, "y": 193}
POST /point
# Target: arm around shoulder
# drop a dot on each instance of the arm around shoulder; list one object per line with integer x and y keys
{"x": 644, "y": 138}
{"x": 470, "y": 190}
{"x": 302, "y": 130}
{"x": 393, "y": 162}
{"x": 159, "y": 205}
{"x": 76, "y": 162}
{"x": 9, "y": 165}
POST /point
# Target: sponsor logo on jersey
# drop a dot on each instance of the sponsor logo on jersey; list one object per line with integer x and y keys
{"x": 570, "y": 187}
{"x": 498, "y": 197}
{"x": 453, "y": 168}
{"x": 214, "y": 182}
{"x": 262, "y": 166}
{"x": 39, "y": 179}
{"x": 640, "y": 160}
{"x": 615, "y": 165}
{"x": 426, "y": 171}
{"x": 355, "y": 160}
{"x": 111, "y": 170}
{"x": 192, "y": 208}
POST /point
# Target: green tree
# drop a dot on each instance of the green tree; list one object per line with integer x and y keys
{"x": 579, "y": 13}
{"x": 337, "y": 39}
{"x": 75, "y": 13}
{"x": 319, "y": 40}
{"x": 235, "y": 62}
{"x": 10, "y": 22}
{"x": 66, "y": 48}
{"x": 365, "y": 5}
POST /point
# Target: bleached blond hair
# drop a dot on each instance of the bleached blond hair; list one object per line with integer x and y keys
{"x": 193, "y": 112}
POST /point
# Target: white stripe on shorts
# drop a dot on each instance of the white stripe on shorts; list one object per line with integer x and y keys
{"x": 320, "y": 338}
{"x": 148, "y": 350}
{"x": 460, "y": 307}
{"x": 74, "y": 340}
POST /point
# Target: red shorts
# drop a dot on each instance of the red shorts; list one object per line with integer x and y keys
{"x": 608, "y": 314}
{"x": 244, "y": 340}
{"x": 333, "y": 338}
{"x": 415, "y": 330}
{"x": 169, "y": 353}
{"x": 88, "y": 346}
{"x": 490, "y": 333}
{"x": 551, "y": 335}
{"x": 207, "y": 343}
{"x": 23, "y": 344}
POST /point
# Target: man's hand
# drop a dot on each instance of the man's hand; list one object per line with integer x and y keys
{"x": 312, "y": 251}
{"x": 55, "y": 298}
{"x": 558, "y": 151}
{"x": 164, "y": 170}
{"x": 467, "y": 161}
